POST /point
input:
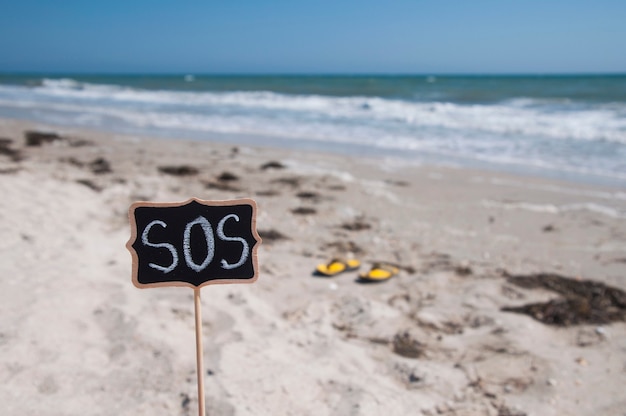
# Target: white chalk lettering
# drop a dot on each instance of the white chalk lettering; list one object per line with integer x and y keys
{"x": 210, "y": 243}
{"x": 171, "y": 248}
{"x": 245, "y": 250}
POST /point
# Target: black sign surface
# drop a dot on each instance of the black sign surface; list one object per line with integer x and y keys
{"x": 193, "y": 243}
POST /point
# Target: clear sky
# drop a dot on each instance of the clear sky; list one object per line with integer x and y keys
{"x": 315, "y": 36}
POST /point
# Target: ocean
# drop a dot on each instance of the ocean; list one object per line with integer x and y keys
{"x": 567, "y": 127}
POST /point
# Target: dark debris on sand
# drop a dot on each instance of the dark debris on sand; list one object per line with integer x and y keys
{"x": 271, "y": 235}
{"x": 181, "y": 170}
{"x": 337, "y": 187}
{"x": 507, "y": 411}
{"x": 100, "y": 166}
{"x": 304, "y": 211}
{"x": 357, "y": 225}
{"x": 5, "y": 149}
{"x": 268, "y": 192}
{"x": 581, "y": 301}
{"x": 272, "y": 165}
{"x": 343, "y": 247}
{"x": 90, "y": 184}
{"x": 405, "y": 345}
{"x": 220, "y": 186}
{"x": 9, "y": 171}
{"x": 396, "y": 183}
{"x": 223, "y": 182}
{"x": 291, "y": 181}
{"x": 38, "y": 138}
{"x": 311, "y": 196}
{"x": 227, "y": 177}
{"x": 442, "y": 261}
{"x": 185, "y": 401}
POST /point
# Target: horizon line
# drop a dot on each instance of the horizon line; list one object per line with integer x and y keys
{"x": 316, "y": 74}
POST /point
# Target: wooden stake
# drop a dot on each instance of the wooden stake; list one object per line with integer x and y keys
{"x": 199, "y": 361}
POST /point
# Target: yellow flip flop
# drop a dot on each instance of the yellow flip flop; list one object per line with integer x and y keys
{"x": 379, "y": 272}
{"x": 336, "y": 266}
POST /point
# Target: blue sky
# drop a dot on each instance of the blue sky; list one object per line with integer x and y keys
{"x": 316, "y": 36}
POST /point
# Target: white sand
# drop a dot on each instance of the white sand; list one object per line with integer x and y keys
{"x": 77, "y": 338}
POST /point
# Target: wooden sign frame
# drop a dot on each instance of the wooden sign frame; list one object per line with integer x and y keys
{"x": 195, "y": 203}
{"x": 179, "y": 214}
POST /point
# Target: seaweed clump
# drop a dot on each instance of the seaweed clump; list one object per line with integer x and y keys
{"x": 581, "y": 301}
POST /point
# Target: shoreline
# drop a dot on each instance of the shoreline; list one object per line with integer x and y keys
{"x": 440, "y": 337}
{"x": 269, "y": 142}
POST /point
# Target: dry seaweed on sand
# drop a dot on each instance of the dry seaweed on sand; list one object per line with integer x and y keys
{"x": 267, "y": 192}
{"x": 304, "y": 211}
{"x": 405, "y": 345}
{"x": 356, "y": 225}
{"x": 89, "y": 184}
{"x": 38, "y": 138}
{"x": 290, "y": 181}
{"x": 223, "y": 182}
{"x": 312, "y": 196}
{"x": 581, "y": 301}
{"x": 271, "y": 235}
{"x": 178, "y": 170}
{"x": 100, "y": 166}
{"x": 272, "y": 165}
{"x": 9, "y": 171}
{"x": 6, "y": 149}
{"x": 227, "y": 177}
{"x": 220, "y": 186}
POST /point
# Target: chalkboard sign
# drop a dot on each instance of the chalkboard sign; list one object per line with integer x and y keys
{"x": 193, "y": 243}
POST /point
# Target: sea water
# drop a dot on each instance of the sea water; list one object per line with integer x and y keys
{"x": 571, "y": 127}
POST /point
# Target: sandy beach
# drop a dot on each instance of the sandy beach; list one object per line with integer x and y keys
{"x": 509, "y": 301}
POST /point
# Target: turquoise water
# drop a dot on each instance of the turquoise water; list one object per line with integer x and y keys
{"x": 566, "y": 126}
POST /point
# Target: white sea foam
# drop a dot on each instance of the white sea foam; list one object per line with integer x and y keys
{"x": 597, "y": 208}
{"x": 525, "y": 206}
{"x": 554, "y": 209}
{"x": 516, "y": 117}
{"x": 522, "y": 131}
